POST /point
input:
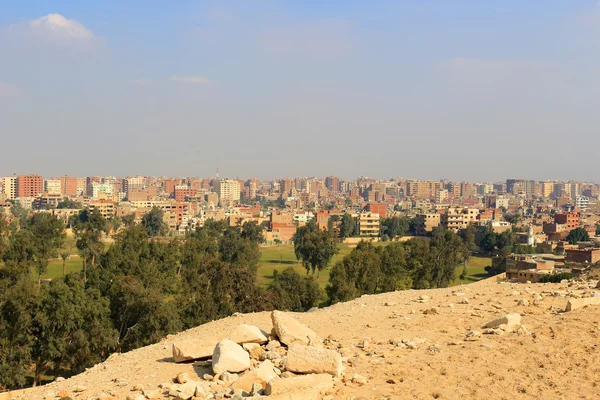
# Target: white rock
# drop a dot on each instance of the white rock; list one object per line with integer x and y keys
{"x": 507, "y": 319}
{"x": 190, "y": 350}
{"x": 315, "y": 360}
{"x": 229, "y": 357}
{"x": 290, "y": 331}
{"x": 248, "y": 334}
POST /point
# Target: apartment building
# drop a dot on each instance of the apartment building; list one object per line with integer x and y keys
{"x": 456, "y": 219}
{"x": 29, "y": 185}
{"x": 368, "y": 224}
{"x": 10, "y": 187}
{"x": 53, "y": 186}
{"x": 571, "y": 221}
{"x": 229, "y": 191}
{"x": 101, "y": 188}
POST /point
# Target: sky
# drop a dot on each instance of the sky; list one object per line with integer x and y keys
{"x": 429, "y": 89}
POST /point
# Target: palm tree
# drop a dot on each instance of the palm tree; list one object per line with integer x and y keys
{"x": 65, "y": 256}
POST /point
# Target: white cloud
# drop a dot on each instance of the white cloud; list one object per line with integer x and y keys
{"x": 196, "y": 80}
{"x": 8, "y": 90}
{"x": 140, "y": 82}
{"x": 58, "y": 26}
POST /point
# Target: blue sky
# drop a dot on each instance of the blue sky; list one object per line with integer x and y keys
{"x": 464, "y": 90}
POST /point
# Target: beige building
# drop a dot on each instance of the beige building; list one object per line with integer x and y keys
{"x": 53, "y": 186}
{"x": 229, "y": 191}
{"x": 368, "y": 224}
{"x": 459, "y": 218}
{"x": 10, "y": 187}
{"x": 441, "y": 196}
{"x": 432, "y": 220}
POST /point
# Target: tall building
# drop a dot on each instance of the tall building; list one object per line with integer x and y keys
{"x": 332, "y": 183}
{"x": 81, "y": 186}
{"x": 29, "y": 185}
{"x": 101, "y": 188}
{"x": 68, "y": 185}
{"x": 135, "y": 182}
{"x": 10, "y": 187}
{"x": 53, "y": 186}
{"x": 229, "y": 191}
{"x": 547, "y": 189}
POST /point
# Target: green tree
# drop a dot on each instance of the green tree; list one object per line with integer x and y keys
{"x": 395, "y": 226}
{"x": 47, "y": 236}
{"x": 578, "y": 235}
{"x": 356, "y": 274}
{"x": 348, "y": 226}
{"x": 153, "y": 222}
{"x": 315, "y": 248}
{"x": 72, "y": 328}
{"x": 293, "y": 292}
{"x": 69, "y": 204}
{"x": 252, "y": 231}
{"x": 18, "y": 305}
{"x": 395, "y": 275}
{"x": 64, "y": 256}
{"x": 417, "y": 225}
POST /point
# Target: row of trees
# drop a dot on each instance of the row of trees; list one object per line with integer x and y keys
{"x": 418, "y": 263}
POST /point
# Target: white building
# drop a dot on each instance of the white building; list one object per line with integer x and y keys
{"x": 105, "y": 188}
{"x": 582, "y": 202}
{"x": 229, "y": 191}
{"x": 304, "y": 217}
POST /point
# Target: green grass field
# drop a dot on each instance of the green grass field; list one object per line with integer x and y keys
{"x": 281, "y": 257}
{"x": 55, "y": 267}
{"x": 475, "y": 270}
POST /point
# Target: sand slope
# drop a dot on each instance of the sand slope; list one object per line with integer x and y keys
{"x": 560, "y": 359}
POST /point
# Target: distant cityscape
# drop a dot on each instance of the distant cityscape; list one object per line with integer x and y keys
{"x": 281, "y": 205}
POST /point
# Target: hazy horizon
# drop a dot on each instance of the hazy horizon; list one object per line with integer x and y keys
{"x": 462, "y": 90}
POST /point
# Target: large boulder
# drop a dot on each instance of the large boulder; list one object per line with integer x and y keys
{"x": 290, "y": 331}
{"x": 190, "y": 350}
{"x": 572, "y": 304}
{"x": 248, "y": 334}
{"x": 318, "y": 382}
{"x": 511, "y": 320}
{"x": 313, "y": 360}
{"x": 229, "y": 357}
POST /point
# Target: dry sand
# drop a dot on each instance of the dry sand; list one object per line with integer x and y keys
{"x": 560, "y": 359}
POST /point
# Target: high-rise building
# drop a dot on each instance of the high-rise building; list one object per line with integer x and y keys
{"x": 135, "y": 182}
{"x": 101, "y": 188}
{"x": 332, "y": 183}
{"x": 81, "y": 186}
{"x": 29, "y": 185}
{"x": 68, "y": 185}
{"x": 10, "y": 187}
{"x": 53, "y": 186}
{"x": 229, "y": 191}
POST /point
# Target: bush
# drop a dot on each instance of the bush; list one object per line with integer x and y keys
{"x": 556, "y": 278}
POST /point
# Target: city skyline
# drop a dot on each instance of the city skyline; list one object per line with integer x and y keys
{"x": 479, "y": 91}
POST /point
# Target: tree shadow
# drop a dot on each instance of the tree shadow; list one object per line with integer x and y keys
{"x": 280, "y": 262}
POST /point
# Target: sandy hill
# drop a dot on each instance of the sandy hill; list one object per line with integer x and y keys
{"x": 410, "y": 344}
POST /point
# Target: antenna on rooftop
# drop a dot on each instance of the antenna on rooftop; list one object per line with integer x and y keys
{"x": 217, "y": 173}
